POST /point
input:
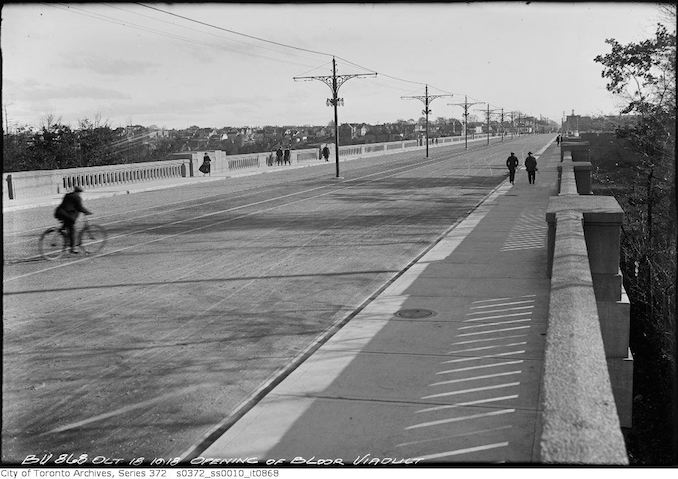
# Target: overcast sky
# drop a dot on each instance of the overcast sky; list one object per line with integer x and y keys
{"x": 132, "y": 64}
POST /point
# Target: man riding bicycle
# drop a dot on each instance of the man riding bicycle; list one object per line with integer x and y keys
{"x": 68, "y": 211}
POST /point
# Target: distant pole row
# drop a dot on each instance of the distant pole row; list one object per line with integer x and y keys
{"x": 335, "y": 82}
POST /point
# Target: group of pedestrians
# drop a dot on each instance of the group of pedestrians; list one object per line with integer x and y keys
{"x": 282, "y": 157}
{"x": 530, "y": 165}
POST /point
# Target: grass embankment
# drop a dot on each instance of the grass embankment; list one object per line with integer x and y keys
{"x": 650, "y": 291}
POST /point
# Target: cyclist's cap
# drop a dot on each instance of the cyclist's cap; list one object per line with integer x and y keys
{"x": 529, "y": 152}
{"x": 77, "y": 189}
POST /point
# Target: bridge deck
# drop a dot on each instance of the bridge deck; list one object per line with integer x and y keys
{"x": 204, "y": 293}
{"x": 454, "y": 377}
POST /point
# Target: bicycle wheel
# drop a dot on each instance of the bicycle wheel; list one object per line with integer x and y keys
{"x": 52, "y": 244}
{"x": 92, "y": 238}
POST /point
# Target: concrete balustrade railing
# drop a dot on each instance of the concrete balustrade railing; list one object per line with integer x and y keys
{"x": 35, "y": 184}
{"x": 266, "y": 161}
{"x": 581, "y": 178}
{"x": 579, "y": 418}
{"x": 145, "y": 172}
{"x": 588, "y": 367}
{"x": 31, "y": 184}
{"x": 578, "y": 149}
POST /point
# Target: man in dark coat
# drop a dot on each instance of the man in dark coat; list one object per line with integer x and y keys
{"x": 326, "y": 153}
{"x": 278, "y": 156}
{"x": 531, "y": 167}
{"x": 512, "y": 163}
{"x": 68, "y": 211}
{"x": 287, "y": 156}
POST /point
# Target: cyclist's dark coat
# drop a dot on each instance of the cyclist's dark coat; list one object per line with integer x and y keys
{"x": 70, "y": 208}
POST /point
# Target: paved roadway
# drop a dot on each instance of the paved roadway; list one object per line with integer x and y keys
{"x": 205, "y": 295}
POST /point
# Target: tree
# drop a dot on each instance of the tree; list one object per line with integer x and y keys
{"x": 53, "y": 146}
{"x": 644, "y": 74}
{"x": 15, "y": 156}
{"x": 95, "y": 142}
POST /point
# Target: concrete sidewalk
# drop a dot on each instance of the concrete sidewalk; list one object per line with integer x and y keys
{"x": 443, "y": 366}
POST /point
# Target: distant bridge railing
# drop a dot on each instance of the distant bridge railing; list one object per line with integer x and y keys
{"x": 41, "y": 183}
{"x": 588, "y": 368}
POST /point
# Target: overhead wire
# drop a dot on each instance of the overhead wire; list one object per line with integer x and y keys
{"x": 391, "y": 76}
{"x": 234, "y": 32}
{"x": 313, "y": 69}
{"x": 78, "y": 11}
{"x": 124, "y": 23}
{"x": 157, "y": 19}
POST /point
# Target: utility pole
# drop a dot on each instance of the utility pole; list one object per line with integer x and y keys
{"x": 513, "y": 124}
{"x": 488, "y": 121}
{"x": 427, "y": 99}
{"x": 466, "y": 104}
{"x": 502, "y": 125}
{"x": 335, "y": 81}
{"x": 488, "y": 124}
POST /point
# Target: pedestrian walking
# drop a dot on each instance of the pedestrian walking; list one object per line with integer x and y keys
{"x": 531, "y": 167}
{"x": 286, "y": 156}
{"x": 326, "y": 153}
{"x": 512, "y": 163}
{"x": 205, "y": 168}
{"x": 558, "y": 140}
{"x": 278, "y": 156}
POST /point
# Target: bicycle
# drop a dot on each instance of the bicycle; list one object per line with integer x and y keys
{"x": 54, "y": 241}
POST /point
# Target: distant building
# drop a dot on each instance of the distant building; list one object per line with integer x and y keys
{"x": 576, "y": 123}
